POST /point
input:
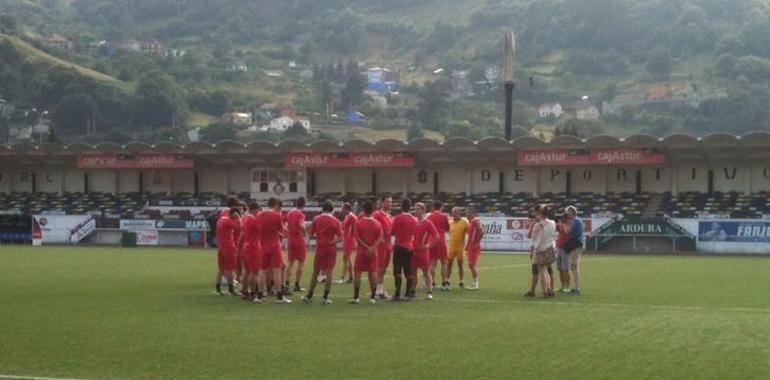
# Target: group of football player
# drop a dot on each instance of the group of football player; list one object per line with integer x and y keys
{"x": 419, "y": 238}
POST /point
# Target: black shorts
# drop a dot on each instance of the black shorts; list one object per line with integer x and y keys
{"x": 402, "y": 260}
{"x": 536, "y": 271}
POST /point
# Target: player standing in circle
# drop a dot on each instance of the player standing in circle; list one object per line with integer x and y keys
{"x": 458, "y": 229}
{"x": 227, "y": 250}
{"x": 438, "y": 252}
{"x": 348, "y": 243}
{"x": 297, "y": 247}
{"x": 404, "y": 227}
{"x": 327, "y": 231}
{"x": 385, "y": 249}
{"x": 253, "y": 285}
{"x": 426, "y": 236}
{"x": 271, "y": 231}
{"x": 475, "y": 235}
{"x": 369, "y": 236}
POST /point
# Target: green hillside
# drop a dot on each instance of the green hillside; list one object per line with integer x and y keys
{"x": 651, "y": 66}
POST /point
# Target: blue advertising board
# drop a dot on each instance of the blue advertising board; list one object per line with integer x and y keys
{"x": 738, "y": 231}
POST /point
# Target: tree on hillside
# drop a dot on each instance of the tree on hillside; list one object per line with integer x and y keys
{"x": 295, "y": 130}
{"x": 157, "y": 101}
{"x": 212, "y": 103}
{"x": 433, "y": 110}
{"x": 414, "y": 132}
{"x": 8, "y": 24}
{"x": 659, "y": 62}
{"x": 74, "y": 114}
{"x": 355, "y": 84}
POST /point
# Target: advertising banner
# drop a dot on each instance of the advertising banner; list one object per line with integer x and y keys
{"x": 352, "y": 160}
{"x": 585, "y": 157}
{"x": 15, "y": 228}
{"x": 150, "y": 237}
{"x": 142, "y": 161}
{"x": 734, "y": 231}
{"x": 62, "y": 229}
{"x": 162, "y": 224}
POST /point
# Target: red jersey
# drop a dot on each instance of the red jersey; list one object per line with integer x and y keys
{"x": 227, "y": 231}
{"x": 386, "y": 222}
{"x": 349, "y": 228}
{"x": 250, "y": 230}
{"x": 404, "y": 226}
{"x": 326, "y": 228}
{"x": 563, "y": 236}
{"x": 270, "y": 226}
{"x": 295, "y": 221}
{"x": 440, "y": 220}
{"x": 368, "y": 230}
{"x": 473, "y": 232}
{"x": 425, "y": 235}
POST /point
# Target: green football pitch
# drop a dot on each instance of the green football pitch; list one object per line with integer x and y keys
{"x": 109, "y": 313}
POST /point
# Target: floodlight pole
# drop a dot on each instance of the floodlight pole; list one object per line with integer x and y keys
{"x": 509, "y": 56}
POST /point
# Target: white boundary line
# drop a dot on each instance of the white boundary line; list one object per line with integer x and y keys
{"x": 36, "y": 377}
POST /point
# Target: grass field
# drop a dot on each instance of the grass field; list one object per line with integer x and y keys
{"x": 108, "y": 313}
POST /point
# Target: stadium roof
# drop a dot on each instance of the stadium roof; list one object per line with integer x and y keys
{"x": 677, "y": 146}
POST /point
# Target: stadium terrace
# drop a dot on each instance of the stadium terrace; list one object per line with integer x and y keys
{"x": 601, "y": 164}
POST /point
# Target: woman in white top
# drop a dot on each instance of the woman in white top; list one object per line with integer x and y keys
{"x": 543, "y": 248}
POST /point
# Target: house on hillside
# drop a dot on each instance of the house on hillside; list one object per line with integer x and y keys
{"x": 355, "y": 117}
{"x": 281, "y": 124}
{"x": 583, "y": 109}
{"x": 238, "y": 67}
{"x": 58, "y": 42}
{"x": 550, "y": 110}
{"x": 154, "y": 47}
{"x": 381, "y": 79}
{"x": 272, "y": 111}
{"x": 133, "y": 46}
{"x": 461, "y": 85}
{"x": 238, "y": 118}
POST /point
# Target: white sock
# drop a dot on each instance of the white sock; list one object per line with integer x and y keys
{"x": 379, "y": 290}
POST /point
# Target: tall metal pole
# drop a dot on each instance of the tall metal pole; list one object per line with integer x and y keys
{"x": 509, "y": 57}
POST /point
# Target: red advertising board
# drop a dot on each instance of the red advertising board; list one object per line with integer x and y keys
{"x": 352, "y": 160}
{"x": 142, "y": 161}
{"x": 583, "y": 157}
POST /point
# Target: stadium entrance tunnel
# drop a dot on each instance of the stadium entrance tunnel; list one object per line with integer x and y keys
{"x": 642, "y": 235}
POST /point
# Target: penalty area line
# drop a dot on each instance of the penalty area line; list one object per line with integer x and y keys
{"x": 17, "y": 377}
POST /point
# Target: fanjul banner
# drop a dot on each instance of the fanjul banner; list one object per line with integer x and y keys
{"x": 734, "y": 231}
{"x": 511, "y": 234}
{"x": 62, "y": 229}
{"x": 352, "y": 160}
{"x": 585, "y": 157}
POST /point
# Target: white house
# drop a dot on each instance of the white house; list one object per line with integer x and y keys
{"x": 238, "y": 118}
{"x": 550, "y": 109}
{"x": 281, "y": 124}
{"x": 585, "y": 110}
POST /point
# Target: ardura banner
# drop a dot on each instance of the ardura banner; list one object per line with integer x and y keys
{"x": 142, "y": 161}
{"x": 584, "y": 157}
{"x": 352, "y": 160}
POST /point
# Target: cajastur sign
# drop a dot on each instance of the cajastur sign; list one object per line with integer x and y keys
{"x": 352, "y": 160}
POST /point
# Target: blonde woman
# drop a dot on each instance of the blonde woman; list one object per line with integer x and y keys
{"x": 543, "y": 248}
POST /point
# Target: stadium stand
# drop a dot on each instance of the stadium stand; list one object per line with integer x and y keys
{"x": 148, "y": 206}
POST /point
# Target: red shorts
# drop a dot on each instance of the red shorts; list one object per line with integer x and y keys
{"x": 366, "y": 263}
{"x": 349, "y": 246}
{"x": 297, "y": 249}
{"x": 325, "y": 258}
{"x": 227, "y": 259}
{"x": 384, "y": 252}
{"x": 252, "y": 258}
{"x": 473, "y": 255}
{"x": 420, "y": 260}
{"x": 272, "y": 257}
{"x": 438, "y": 252}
